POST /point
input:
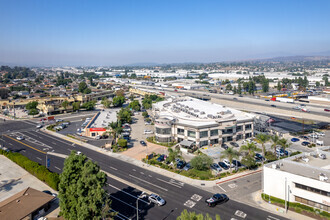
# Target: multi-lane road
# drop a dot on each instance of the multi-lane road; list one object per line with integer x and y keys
{"x": 126, "y": 181}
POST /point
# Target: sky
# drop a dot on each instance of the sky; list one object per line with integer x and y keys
{"x": 106, "y": 32}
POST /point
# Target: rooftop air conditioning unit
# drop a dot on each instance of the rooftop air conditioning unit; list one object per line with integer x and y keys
{"x": 202, "y": 113}
{"x": 323, "y": 177}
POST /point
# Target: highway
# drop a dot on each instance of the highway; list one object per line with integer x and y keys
{"x": 127, "y": 181}
{"x": 258, "y": 103}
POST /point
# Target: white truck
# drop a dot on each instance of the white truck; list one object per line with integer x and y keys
{"x": 285, "y": 100}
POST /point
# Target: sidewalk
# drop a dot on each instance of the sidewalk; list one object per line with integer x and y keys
{"x": 259, "y": 202}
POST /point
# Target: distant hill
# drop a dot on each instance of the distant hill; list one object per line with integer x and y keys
{"x": 295, "y": 58}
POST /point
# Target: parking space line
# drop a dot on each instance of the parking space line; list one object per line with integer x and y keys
{"x": 222, "y": 188}
{"x": 124, "y": 202}
{"x": 57, "y": 168}
{"x": 273, "y": 217}
{"x": 113, "y": 168}
{"x": 39, "y": 158}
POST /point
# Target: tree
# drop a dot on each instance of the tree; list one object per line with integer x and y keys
{"x": 173, "y": 154}
{"x": 81, "y": 189}
{"x": 265, "y": 85}
{"x": 4, "y": 93}
{"x": 124, "y": 116}
{"x": 120, "y": 92}
{"x": 33, "y": 111}
{"x": 89, "y": 105}
{"x": 248, "y": 161}
{"x": 135, "y": 105}
{"x": 279, "y": 87}
{"x": 326, "y": 80}
{"x": 145, "y": 114}
{"x": 185, "y": 215}
{"x": 262, "y": 139}
{"x": 133, "y": 76}
{"x": 82, "y": 86}
{"x": 76, "y": 106}
{"x": 122, "y": 142}
{"x": 87, "y": 91}
{"x": 284, "y": 143}
{"x": 106, "y": 102}
{"x": 201, "y": 162}
{"x": 229, "y": 86}
{"x": 250, "y": 148}
{"x": 231, "y": 154}
{"x": 275, "y": 139}
{"x": 65, "y": 104}
{"x": 118, "y": 101}
{"x": 235, "y": 90}
{"x": 31, "y": 105}
{"x": 239, "y": 89}
{"x": 317, "y": 84}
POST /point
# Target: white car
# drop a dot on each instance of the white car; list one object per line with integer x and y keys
{"x": 59, "y": 120}
{"x": 228, "y": 163}
{"x": 148, "y": 132}
{"x": 20, "y": 138}
{"x": 156, "y": 199}
{"x": 78, "y": 153}
{"x": 320, "y": 134}
{"x": 314, "y": 136}
{"x": 39, "y": 126}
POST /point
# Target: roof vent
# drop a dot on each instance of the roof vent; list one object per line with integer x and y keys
{"x": 323, "y": 177}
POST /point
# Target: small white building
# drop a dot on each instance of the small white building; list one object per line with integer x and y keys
{"x": 303, "y": 178}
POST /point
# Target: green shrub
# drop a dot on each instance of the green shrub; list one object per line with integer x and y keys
{"x": 39, "y": 171}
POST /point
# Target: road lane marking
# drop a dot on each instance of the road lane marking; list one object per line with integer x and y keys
{"x": 273, "y": 217}
{"x": 134, "y": 169}
{"x": 222, "y": 188}
{"x": 148, "y": 182}
{"x": 232, "y": 185}
{"x": 179, "y": 183}
{"x": 169, "y": 183}
{"x": 196, "y": 197}
{"x": 142, "y": 173}
{"x": 39, "y": 158}
{"x": 189, "y": 203}
{"x": 113, "y": 168}
{"x": 10, "y": 144}
{"x": 24, "y": 144}
{"x": 149, "y": 175}
{"x": 24, "y": 151}
{"x": 57, "y": 168}
{"x": 126, "y": 193}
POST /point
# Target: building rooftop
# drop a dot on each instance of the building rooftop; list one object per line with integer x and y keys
{"x": 105, "y": 117}
{"x": 309, "y": 165}
{"x": 197, "y": 112}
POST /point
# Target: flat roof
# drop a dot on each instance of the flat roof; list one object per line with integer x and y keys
{"x": 197, "y": 112}
{"x": 23, "y": 203}
{"x": 306, "y": 164}
{"x": 105, "y": 117}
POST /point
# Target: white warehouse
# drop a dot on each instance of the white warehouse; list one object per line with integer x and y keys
{"x": 302, "y": 178}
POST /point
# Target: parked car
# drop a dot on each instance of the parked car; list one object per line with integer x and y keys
{"x": 148, "y": 132}
{"x": 224, "y": 146}
{"x": 295, "y": 139}
{"x": 227, "y": 163}
{"x": 20, "y": 138}
{"x": 156, "y": 199}
{"x": 58, "y": 120}
{"x": 314, "y": 136}
{"x": 187, "y": 167}
{"x": 49, "y": 193}
{"x": 320, "y": 134}
{"x": 273, "y": 106}
{"x": 66, "y": 123}
{"x": 236, "y": 163}
{"x": 161, "y": 158}
{"x": 223, "y": 165}
{"x": 304, "y": 137}
{"x": 259, "y": 157}
{"x": 234, "y": 98}
{"x": 143, "y": 143}
{"x": 215, "y": 167}
{"x": 305, "y": 143}
{"x": 322, "y": 156}
{"x": 267, "y": 100}
{"x": 180, "y": 164}
{"x": 216, "y": 199}
{"x": 279, "y": 152}
{"x": 234, "y": 144}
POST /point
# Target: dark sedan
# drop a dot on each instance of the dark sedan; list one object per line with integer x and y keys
{"x": 216, "y": 199}
{"x": 236, "y": 163}
{"x": 180, "y": 164}
{"x": 234, "y": 144}
{"x": 143, "y": 143}
{"x": 295, "y": 139}
{"x": 161, "y": 158}
{"x": 223, "y": 165}
{"x": 305, "y": 143}
{"x": 224, "y": 146}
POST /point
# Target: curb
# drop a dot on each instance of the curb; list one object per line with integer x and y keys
{"x": 236, "y": 177}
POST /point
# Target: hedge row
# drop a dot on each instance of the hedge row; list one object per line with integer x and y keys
{"x": 39, "y": 171}
{"x": 298, "y": 207}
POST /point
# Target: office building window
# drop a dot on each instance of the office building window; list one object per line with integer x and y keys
{"x": 191, "y": 134}
{"x": 214, "y": 141}
{"x": 180, "y": 131}
{"x": 163, "y": 130}
{"x": 312, "y": 203}
{"x": 203, "y": 134}
{"x": 204, "y": 143}
{"x": 248, "y": 127}
{"x": 312, "y": 189}
{"x": 214, "y": 132}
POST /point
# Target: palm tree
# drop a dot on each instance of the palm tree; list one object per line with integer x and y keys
{"x": 250, "y": 148}
{"x": 275, "y": 141}
{"x": 173, "y": 154}
{"x": 284, "y": 143}
{"x": 231, "y": 154}
{"x": 262, "y": 139}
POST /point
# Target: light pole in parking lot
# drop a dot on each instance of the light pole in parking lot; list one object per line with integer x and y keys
{"x": 137, "y": 204}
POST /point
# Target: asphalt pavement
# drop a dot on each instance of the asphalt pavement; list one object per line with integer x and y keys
{"x": 179, "y": 195}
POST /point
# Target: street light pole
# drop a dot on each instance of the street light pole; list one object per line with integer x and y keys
{"x": 137, "y": 205}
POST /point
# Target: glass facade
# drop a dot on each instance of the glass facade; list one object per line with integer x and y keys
{"x": 163, "y": 130}
{"x": 311, "y": 189}
{"x": 203, "y": 134}
{"x": 248, "y": 127}
{"x": 312, "y": 203}
{"x": 214, "y": 141}
{"x": 192, "y": 134}
{"x": 204, "y": 143}
{"x": 163, "y": 139}
{"x": 180, "y": 131}
{"x": 214, "y": 132}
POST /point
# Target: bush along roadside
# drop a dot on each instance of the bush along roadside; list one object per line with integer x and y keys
{"x": 298, "y": 207}
{"x": 39, "y": 171}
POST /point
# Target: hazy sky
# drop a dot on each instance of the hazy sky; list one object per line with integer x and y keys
{"x": 95, "y": 32}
